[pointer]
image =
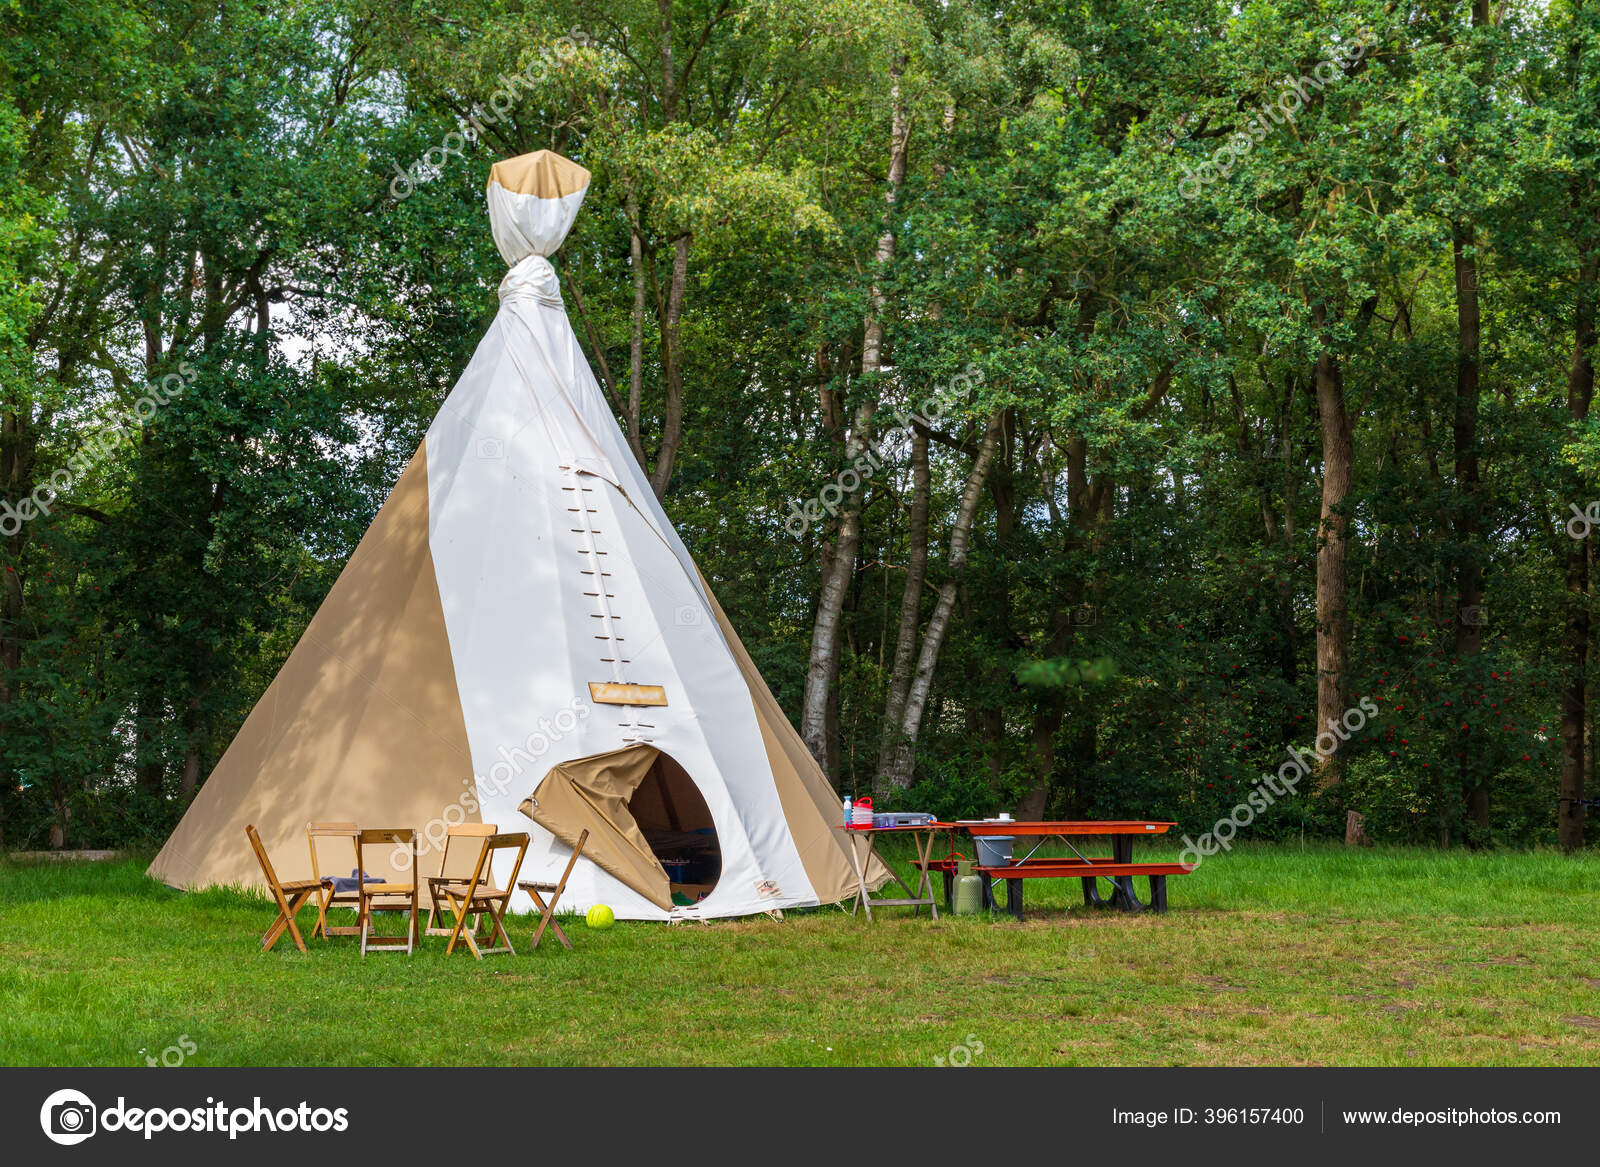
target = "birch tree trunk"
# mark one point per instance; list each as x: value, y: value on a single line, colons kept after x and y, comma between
x: 636, y: 331
x: 898, y: 776
x: 817, y: 730
x: 905, y: 645
x: 672, y: 362
x: 839, y: 567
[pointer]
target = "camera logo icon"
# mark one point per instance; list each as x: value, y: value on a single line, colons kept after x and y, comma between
x: 688, y: 616
x: 491, y: 449
x: 68, y: 1117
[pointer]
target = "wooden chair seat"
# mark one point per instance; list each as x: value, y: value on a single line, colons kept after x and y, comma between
x: 472, y: 897
x: 388, y: 889
x: 444, y: 887
x: 399, y: 897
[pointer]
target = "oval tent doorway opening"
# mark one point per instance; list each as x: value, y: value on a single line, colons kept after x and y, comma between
x: 676, y: 822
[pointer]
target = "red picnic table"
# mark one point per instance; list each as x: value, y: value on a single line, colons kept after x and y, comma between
x: 1119, y: 867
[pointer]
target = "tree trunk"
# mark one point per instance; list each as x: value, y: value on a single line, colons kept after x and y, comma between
x: 905, y: 752
x: 58, y: 824
x: 636, y: 332
x: 1574, y: 695
x: 899, y: 139
x: 1469, y: 575
x: 996, y: 611
x: 817, y: 729
x: 16, y: 481
x: 193, y: 726
x: 149, y: 767
x: 839, y: 568
x: 905, y: 645
x: 672, y: 366
x: 1333, y: 614
x: 1088, y: 505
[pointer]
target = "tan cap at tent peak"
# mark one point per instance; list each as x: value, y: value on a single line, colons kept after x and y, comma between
x: 543, y: 174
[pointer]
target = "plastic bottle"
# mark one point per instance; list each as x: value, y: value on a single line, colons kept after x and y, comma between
x: 847, y: 818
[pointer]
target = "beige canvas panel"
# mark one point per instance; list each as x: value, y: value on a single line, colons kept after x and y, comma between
x: 592, y: 794
x: 363, y: 723
x: 809, y: 803
x: 543, y: 174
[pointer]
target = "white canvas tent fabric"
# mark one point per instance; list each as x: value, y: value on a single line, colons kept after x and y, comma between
x: 521, y: 561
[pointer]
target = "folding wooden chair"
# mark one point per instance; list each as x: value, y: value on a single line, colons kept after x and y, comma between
x: 392, y: 895
x: 457, y: 873
x: 547, y: 912
x: 326, y: 896
x: 291, y: 897
x: 478, y: 897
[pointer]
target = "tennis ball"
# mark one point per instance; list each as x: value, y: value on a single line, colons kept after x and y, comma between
x: 600, y: 916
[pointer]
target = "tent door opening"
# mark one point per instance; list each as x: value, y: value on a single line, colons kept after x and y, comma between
x: 676, y: 822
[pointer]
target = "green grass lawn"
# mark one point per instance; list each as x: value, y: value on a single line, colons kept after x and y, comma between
x: 1270, y: 956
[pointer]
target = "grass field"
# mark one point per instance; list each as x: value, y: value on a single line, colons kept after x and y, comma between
x: 1270, y: 956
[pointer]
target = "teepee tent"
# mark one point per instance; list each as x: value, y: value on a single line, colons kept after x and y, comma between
x: 521, y: 627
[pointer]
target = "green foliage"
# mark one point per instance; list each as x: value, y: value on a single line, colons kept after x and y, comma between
x: 1135, y: 633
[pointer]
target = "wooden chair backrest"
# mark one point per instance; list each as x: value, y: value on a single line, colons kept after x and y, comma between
x: 482, y: 871
x: 261, y: 858
x: 315, y: 831
x: 463, y: 831
x: 395, y: 837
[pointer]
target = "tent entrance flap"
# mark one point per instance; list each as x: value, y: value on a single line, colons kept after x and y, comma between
x: 639, y: 806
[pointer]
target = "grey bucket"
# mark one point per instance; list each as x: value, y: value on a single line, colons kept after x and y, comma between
x: 994, y: 850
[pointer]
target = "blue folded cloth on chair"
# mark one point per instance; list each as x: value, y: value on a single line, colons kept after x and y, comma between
x: 353, y: 881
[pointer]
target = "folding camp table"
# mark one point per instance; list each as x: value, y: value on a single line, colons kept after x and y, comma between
x: 860, y: 842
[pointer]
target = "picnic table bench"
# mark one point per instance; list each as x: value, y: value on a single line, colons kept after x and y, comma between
x: 1118, y: 868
